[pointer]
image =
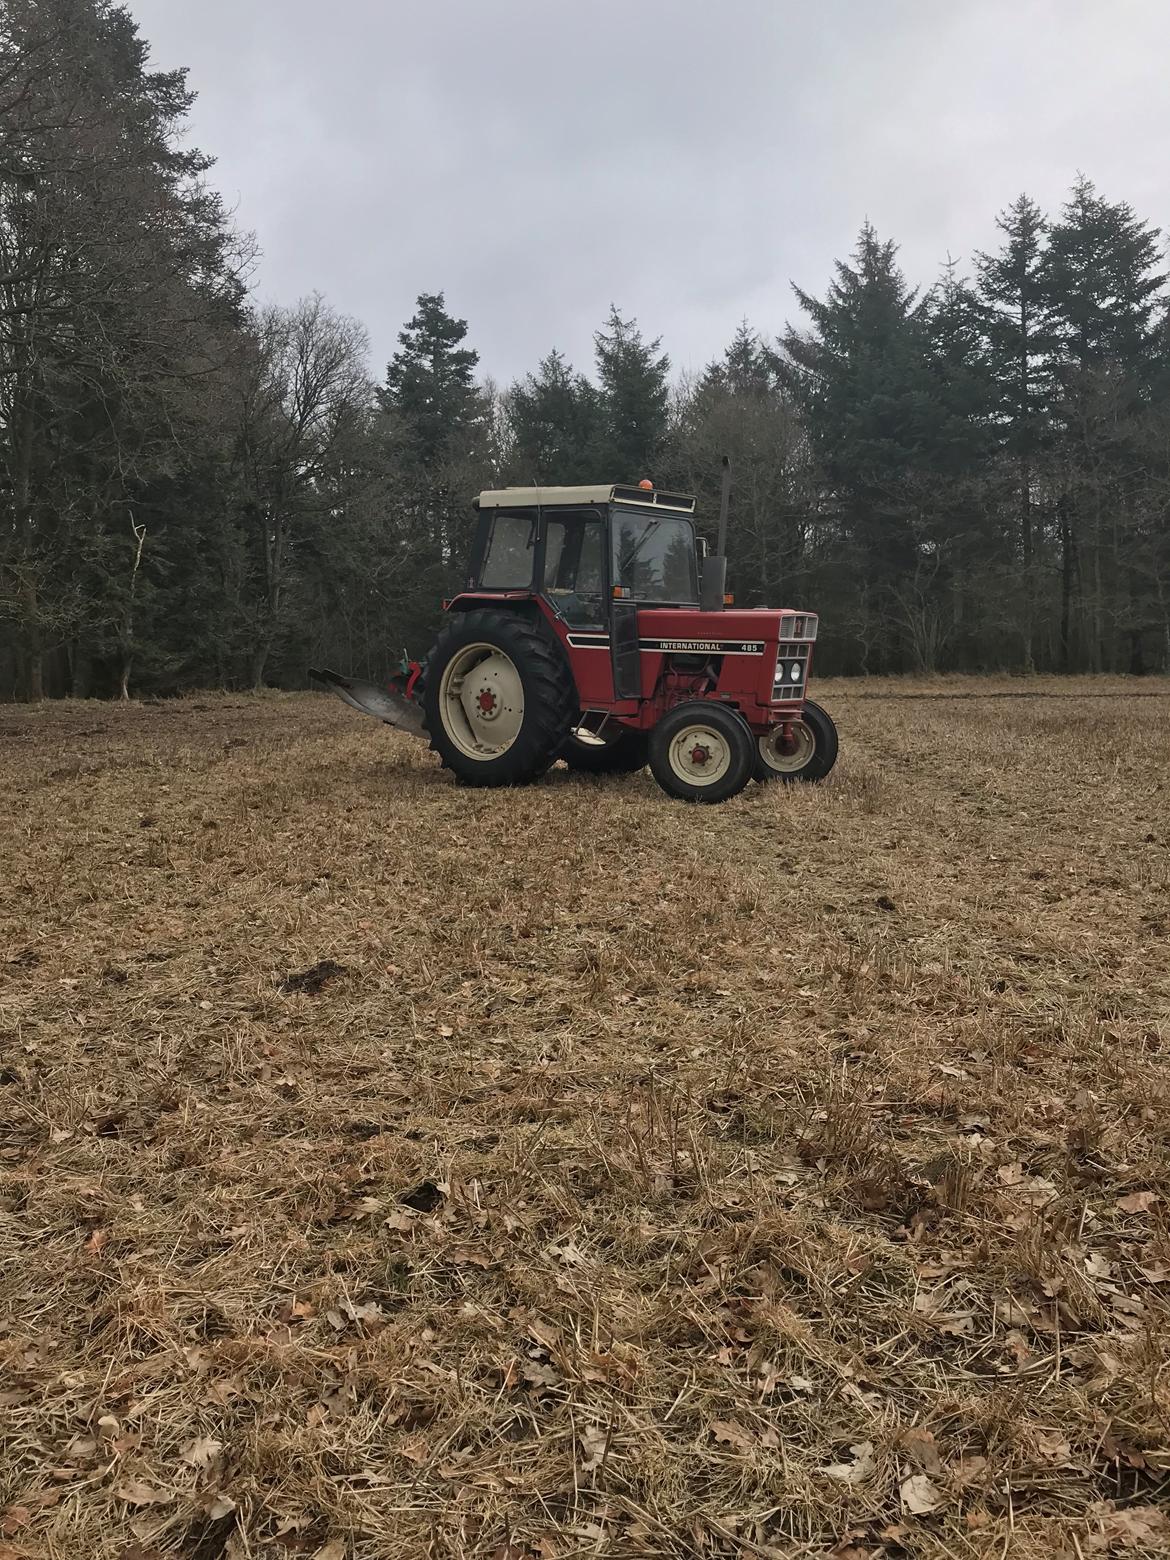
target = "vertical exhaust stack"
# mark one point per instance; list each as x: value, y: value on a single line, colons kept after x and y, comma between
x: 714, y: 582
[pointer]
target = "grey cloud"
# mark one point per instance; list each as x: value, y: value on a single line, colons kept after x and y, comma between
x: 688, y: 160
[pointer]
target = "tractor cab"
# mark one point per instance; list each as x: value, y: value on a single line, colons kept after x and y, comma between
x: 593, y: 556
x: 584, y: 547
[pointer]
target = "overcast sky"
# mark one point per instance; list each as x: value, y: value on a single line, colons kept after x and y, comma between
x: 686, y: 159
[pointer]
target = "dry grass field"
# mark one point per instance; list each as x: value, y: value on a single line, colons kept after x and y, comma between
x: 390, y: 1171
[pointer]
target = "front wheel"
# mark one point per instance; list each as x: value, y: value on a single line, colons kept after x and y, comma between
x: 702, y: 752
x: 800, y: 749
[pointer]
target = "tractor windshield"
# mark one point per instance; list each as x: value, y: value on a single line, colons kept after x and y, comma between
x: 654, y: 557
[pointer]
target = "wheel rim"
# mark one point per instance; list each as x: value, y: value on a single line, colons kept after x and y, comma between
x: 788, y: 757
x: 700, y: 755
x: 481, y: 701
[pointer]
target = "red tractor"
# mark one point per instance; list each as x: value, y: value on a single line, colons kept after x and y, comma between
x: 584, y: 633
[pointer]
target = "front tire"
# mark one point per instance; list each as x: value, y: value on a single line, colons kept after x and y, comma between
x: 807, y: 753
x: 622, y: 752
x: 702, y: 752
x: 499, y: 698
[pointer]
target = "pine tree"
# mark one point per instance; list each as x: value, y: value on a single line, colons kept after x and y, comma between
x: 430, y: 385
x: 1014, y: 295
x: 738, y: 408
x: 635, y: 399
x: 1103, y: 290
x: 119, y: 292
x: 437, y: 426
x: 862, y: 381
x: 555, y: 416
x: 747, y: 367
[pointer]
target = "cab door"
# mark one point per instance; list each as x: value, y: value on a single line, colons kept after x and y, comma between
x: 575, y: 583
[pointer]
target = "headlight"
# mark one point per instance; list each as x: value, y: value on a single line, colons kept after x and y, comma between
x: 795, y: 672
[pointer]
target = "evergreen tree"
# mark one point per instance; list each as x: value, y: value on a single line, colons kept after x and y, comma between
x: 861, y: 379
x: 747, y: 367
x: 1103, y: 287
x: 739, y: 408
x: 635, y: 400
x: 437, y: 426
x: 119, y: 293
x: 1012, y: 290
x: 555, y: 419
x: 1104, y: 292
x: 430, y: 388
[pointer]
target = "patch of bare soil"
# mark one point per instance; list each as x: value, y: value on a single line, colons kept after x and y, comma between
x: 391, y: 1170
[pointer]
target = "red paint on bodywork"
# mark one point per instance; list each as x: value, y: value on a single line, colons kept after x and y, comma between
x: 742, y: 677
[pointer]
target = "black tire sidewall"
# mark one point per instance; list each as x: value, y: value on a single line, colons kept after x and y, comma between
x: 732, y: 725
x: 544, y: 677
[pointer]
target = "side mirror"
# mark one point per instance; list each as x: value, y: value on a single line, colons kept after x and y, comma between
x: 702, y: 547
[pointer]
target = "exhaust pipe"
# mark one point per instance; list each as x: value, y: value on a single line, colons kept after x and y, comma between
x: 714, y: 582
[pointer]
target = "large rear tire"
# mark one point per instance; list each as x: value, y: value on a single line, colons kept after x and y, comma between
x: 807, y: 753
x: 702, y: 752
x: 499, y: 698
x: 620, y: 752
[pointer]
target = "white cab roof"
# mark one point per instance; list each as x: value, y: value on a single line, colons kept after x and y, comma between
x: 620, y: 493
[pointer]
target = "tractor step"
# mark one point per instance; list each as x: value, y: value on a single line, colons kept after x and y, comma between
x: 385, y: 704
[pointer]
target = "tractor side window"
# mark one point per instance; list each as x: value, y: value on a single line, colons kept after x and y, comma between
x: 508, y: 563
x: 654, y: 557
x: 574, y: 568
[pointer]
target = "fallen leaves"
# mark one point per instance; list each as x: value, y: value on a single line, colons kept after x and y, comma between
x: 857, y: 1470
x: 1053, y: 1446
x: 920, y: 1495
x: 1130, y: 1527
x: 136, y: 1492
x: 1138, y: 1202
x: 347, y: 1312
x: 921, y: 1448
x: 202, y: 1452
x: 728, y: 1433
x: 594, y: 1441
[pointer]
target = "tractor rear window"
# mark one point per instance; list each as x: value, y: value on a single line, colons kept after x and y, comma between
x: 508, y: 562
x: 654, y: 557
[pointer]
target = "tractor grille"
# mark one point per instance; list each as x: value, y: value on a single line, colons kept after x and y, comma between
x: 791, y: 671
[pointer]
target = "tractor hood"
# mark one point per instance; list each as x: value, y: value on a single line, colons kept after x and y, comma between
x: 748, y: 629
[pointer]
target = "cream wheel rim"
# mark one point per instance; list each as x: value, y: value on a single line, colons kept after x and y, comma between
x: 802, y: 744
x: 481, y: 701
x: 700, y: 755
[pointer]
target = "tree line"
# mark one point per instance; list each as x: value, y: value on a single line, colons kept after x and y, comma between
x: 196, y: 491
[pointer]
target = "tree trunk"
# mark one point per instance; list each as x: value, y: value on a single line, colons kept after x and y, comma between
x: 1026, y: 549
x: 257, y: 663
x: 1067, y: 574
x: 35, y: 656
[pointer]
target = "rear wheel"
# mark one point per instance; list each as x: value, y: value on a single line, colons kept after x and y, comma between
x: 617, y: 752
x: 803, y: 749
x: 499, y: 698
x: 702, y: 752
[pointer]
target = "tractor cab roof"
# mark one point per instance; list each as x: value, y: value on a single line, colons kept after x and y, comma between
x: 612, y: 493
